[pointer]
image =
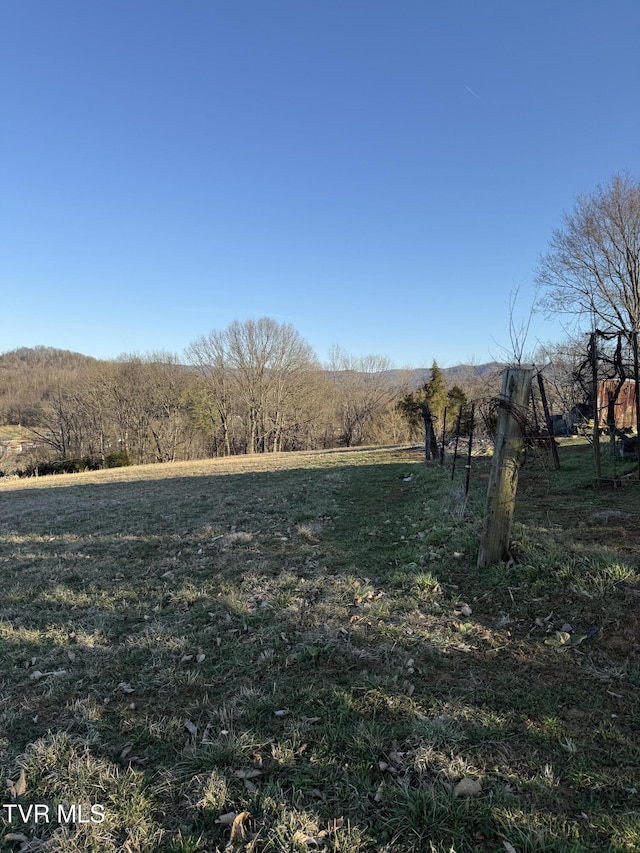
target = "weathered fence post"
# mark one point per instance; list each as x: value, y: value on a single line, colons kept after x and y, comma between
x: 507, y: 458
x: 430, y: 440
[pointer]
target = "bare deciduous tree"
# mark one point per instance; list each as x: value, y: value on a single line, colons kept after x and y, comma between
x: 593, y: 264
x: 364, y: 387
x: 255, y: 371
x: 267, y: 358
x: 592, y: 267
x: 208, y: 354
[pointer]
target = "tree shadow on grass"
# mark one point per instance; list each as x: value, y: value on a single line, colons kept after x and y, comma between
x: 273, y: 621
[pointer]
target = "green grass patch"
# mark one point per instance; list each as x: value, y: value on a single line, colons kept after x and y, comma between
x: 306, y: 639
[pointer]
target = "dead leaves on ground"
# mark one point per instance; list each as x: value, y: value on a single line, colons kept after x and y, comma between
x: 318, y: 839
x: 246, y: 775
x: 18, y: 788
x: 36, y: 675
x: 242, y: 831
x: 467, y: 788
x: 245, y: 833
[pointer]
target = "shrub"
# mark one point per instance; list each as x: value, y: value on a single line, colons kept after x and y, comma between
x: 117, y: 459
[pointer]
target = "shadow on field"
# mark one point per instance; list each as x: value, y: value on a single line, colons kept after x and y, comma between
x: 291, y: 643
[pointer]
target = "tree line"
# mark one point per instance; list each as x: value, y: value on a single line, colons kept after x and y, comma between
x: 253, y: 387
x: 257, y: 386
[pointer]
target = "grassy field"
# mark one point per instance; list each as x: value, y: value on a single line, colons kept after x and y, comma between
x: 297, y: 653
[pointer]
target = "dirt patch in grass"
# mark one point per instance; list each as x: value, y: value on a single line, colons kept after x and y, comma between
x: 305, y: 638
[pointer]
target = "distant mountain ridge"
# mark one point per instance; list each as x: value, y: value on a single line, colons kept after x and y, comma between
x: 419, y: 375
x: 44, y: 357
x: 52, y: 357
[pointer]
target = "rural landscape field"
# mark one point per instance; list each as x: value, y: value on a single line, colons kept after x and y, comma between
x: 295, y: 652
x: 320, y: 427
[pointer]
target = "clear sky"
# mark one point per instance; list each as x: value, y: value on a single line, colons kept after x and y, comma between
x: 379, y: 174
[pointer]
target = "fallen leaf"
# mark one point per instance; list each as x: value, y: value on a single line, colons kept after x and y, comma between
x: 17, y: 789
x: 467, y: 788
x: 300, y: 838
x: 227, y: 819
x: 200, y: 657
x: 240, y: 829
x: 466, y: 610
x: 125, y: 687
x: 36, y: 675
x: 509, y: 847
x: 247, y: 773
x: 191, y: 728
x: 282, y: 713
x: 561, y: 639
x: 379, y: 793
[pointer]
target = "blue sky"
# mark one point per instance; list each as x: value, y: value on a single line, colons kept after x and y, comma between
x: 379, y: 174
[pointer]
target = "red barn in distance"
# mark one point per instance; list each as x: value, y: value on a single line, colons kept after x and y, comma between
x: 624, y: 408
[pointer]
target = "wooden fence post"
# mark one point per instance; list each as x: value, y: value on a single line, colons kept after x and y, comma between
x: 507, y: 458
x: 430, y: 440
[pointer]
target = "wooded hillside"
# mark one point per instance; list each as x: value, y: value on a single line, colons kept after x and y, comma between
x: 254, y: 387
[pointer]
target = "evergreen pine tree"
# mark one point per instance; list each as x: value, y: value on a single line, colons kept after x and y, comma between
x: 435, y: 392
